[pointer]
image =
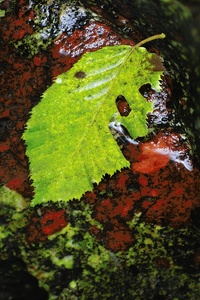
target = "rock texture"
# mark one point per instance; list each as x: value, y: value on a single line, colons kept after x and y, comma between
x: 136, y: 235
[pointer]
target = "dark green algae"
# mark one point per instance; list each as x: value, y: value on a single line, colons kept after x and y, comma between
x: 163, y: 262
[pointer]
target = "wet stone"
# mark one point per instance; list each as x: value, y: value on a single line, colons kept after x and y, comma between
x: 138, y: 230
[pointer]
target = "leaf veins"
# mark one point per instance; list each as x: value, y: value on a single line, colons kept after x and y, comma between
x: 68, y: 139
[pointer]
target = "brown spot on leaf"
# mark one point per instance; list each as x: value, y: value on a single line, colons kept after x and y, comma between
x: 156, y: 61
x: 80, y: 75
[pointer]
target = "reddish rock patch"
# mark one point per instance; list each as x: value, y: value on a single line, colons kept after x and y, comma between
x: 44, y: 222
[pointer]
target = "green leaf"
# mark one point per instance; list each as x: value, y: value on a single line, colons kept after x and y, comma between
x: 69, y: 143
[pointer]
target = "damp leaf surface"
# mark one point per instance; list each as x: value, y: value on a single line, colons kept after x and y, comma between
x: 68, y: 140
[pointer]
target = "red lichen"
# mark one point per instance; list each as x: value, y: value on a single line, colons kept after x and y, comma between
x: 53, y: 222
x: 118, y: 240
x: 164, y: 194
x: 157, y: 152
x: 15, y: 183
x: 122, y: 181
x: 16, y: 29
x: 68, y: 49
x: 46, y: 223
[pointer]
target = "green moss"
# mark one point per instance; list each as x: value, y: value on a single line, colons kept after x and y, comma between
x: 52, y: 18
x: 153, y: 264
x: 66, y: 261
x: 174, y: 7
x: 12, y: 211
x: 2, y: 13
x: 12, y: 199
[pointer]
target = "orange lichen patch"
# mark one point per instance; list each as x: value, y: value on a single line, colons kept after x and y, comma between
x: 94, y: 230
x: 68, y: 49
x: 164, y: 195
x: 122, y: 208
x: 4, y: 147
x: 150, y: 164
x: 16, y: 29
x: 143, y: 180
x: 46, y: 223
x: 112, y: 211
x: 106, y: 203
x: 118, y: 239
x: 156, y: 153
x: 91, y: 197
x: 39, y: 60
x: 174, y: 200
x: 53, y: 221
x: 122, y: 181
x: 16, y: 183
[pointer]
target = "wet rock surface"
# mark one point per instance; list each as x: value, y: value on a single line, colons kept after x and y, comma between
x: 136, y: 210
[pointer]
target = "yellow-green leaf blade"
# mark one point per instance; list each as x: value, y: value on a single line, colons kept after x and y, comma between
x: 69, y: 143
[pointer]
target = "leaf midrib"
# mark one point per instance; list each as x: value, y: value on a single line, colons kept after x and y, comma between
x: 129, y: 52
